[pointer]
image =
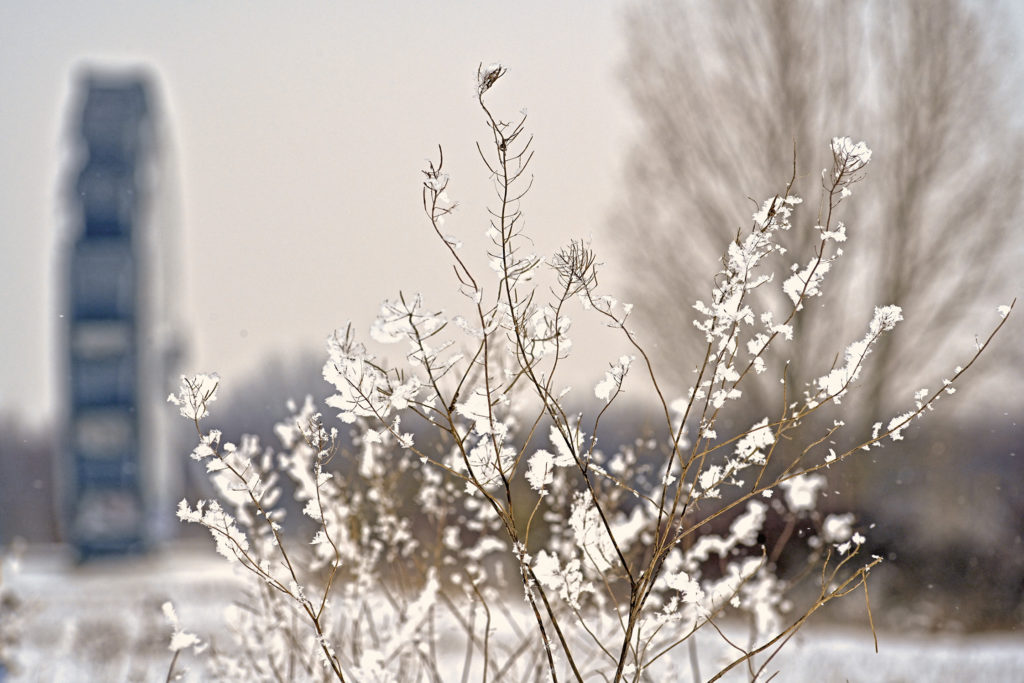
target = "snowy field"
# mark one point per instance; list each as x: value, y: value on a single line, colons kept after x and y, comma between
x: 103, y: 622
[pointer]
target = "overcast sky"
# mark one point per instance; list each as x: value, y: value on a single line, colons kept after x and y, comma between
x: 292, y: 139
x: 293, y: 135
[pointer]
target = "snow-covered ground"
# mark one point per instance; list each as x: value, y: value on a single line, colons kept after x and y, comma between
x: 102, y: 622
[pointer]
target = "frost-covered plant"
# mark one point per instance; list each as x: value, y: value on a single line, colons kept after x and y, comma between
x: 476, y: 529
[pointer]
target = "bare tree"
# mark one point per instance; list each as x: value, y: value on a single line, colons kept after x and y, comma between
x: 726, y: 90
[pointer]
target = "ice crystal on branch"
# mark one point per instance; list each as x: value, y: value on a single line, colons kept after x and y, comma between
x: 361, y: 384
x: 180, y: 639
x: 837, y: 382
x: 612, y: 382
x: 195, y: 395
x: 849, y: 157
x: 488, y: 76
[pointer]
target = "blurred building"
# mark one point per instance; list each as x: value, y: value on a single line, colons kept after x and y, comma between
x: 116, y: 481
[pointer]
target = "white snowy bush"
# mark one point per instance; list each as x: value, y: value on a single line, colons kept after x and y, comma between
x: 11, y: 611
x: 474, y: 529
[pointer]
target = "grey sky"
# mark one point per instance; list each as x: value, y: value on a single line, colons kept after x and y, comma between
x: 293, y: 139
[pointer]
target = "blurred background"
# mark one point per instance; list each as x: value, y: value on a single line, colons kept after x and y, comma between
x: 196, y: 187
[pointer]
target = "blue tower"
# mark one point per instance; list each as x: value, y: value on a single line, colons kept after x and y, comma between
x: 114, y: 375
